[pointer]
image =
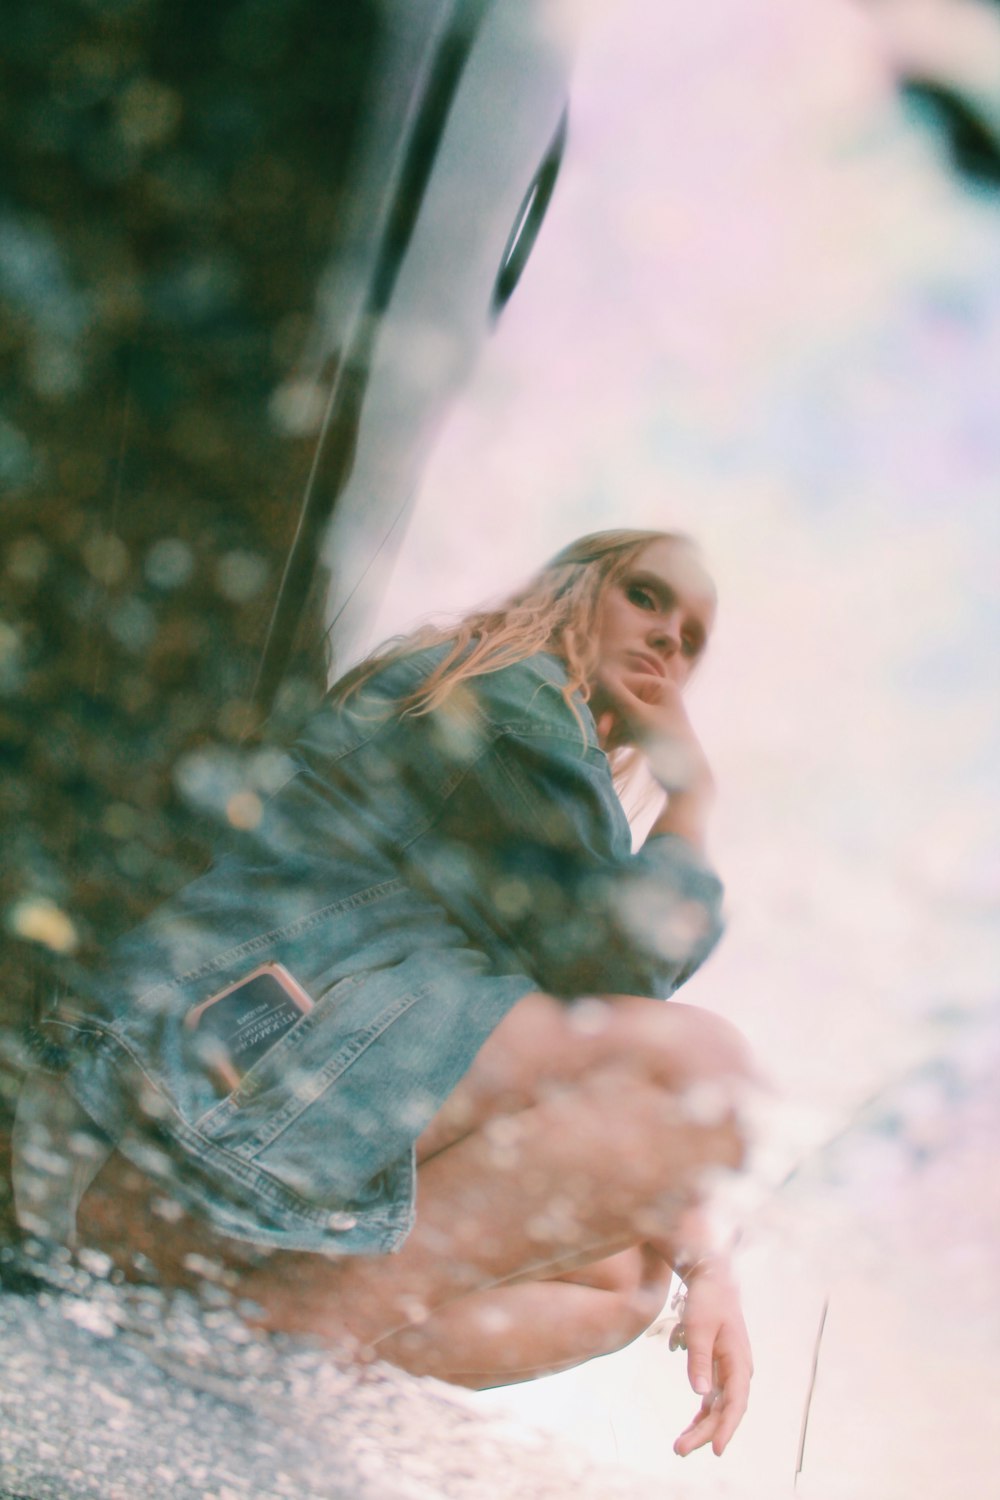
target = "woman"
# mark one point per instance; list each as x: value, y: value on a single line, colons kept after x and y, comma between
x: 477, y: 1066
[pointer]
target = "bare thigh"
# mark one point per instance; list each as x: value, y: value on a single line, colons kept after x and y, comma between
x: 567, y: 1142
x: 543, y: 1045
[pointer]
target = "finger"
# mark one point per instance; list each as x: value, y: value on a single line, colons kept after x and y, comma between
x: 699, y: 1364
x: 700, y: 1431
x: 731, y: 1409
x: 631, y: 690
x: 645, y: 687
x: 720, y: 1412
x: 729, y: 1400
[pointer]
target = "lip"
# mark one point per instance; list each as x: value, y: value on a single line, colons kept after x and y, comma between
x: 652, y: 663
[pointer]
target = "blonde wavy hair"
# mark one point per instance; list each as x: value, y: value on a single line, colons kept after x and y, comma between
x: 555, y: 611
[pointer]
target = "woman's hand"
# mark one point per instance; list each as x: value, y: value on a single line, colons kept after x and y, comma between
x: 639, y: 708
x: 719, y: 1360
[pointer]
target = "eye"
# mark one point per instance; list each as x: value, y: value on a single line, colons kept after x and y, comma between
x: 637, y: 594
x: 691, y: 645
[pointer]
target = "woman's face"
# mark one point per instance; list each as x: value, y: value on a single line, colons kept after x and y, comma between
x: 656, y: 618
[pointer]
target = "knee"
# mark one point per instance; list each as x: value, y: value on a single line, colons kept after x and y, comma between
x: 629, y: 1290
x: 638, y: 1275
x: 679, y: 1047
x: 639, y: 1299
x: 645, y: 1139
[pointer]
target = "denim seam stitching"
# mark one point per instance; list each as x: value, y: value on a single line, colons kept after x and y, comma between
x: 275, y: 934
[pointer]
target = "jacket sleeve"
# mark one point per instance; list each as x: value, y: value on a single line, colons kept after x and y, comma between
x: 547, y: 859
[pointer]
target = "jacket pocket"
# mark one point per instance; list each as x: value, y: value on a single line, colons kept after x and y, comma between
x: 299, y: 1114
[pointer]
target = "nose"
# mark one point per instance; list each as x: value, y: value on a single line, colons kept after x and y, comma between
x: 665, y: 633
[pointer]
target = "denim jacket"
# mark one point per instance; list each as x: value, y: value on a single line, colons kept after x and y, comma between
x: 417, y: 875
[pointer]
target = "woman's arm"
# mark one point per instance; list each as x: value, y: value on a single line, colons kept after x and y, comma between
x: 642, y: 710
x: 686, y: 814
x: 650, y: 713
x: 530, y: 852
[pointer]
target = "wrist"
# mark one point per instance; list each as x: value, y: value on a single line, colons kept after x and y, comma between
x: 679, y: 766
x: 686, y: 814
x: 713, y: 1265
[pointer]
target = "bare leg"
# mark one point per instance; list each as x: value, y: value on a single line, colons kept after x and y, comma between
x: 564, y: 1144
x: 527, y: 1329
x: 578, y: 1133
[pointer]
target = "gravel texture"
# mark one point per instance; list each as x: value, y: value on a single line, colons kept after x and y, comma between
x: 112, y: 1395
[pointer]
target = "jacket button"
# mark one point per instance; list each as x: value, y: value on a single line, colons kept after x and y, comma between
x: 343, y: 1222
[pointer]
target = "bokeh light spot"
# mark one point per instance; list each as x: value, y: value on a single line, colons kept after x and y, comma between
x: 40, y: 920
x: 244, y: 810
